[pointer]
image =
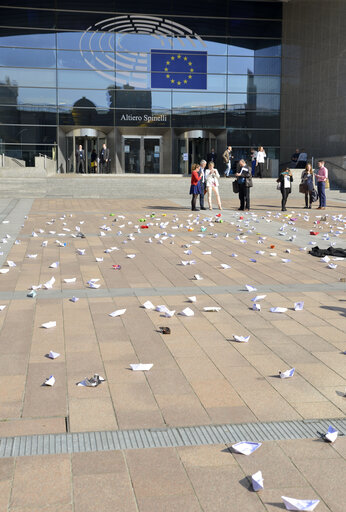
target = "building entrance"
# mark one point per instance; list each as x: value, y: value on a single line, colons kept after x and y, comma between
x: 91, y: 141
x: 142, y: 154
x: 194, y: 146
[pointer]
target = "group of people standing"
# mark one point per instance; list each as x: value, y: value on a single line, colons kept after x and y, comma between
x: 206, y: 181
x: 98, y: 164
x: 257, y: 161
x: 306, y: 187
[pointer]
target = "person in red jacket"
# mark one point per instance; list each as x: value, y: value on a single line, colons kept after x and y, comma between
x: 195, y: 189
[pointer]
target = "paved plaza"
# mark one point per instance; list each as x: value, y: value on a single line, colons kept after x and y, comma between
x: 201, y: 377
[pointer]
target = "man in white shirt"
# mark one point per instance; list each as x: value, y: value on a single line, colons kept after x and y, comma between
x: 201, y: 172
x: 261, y: 155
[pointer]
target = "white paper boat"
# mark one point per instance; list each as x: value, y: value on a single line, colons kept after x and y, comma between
x: 81, y: 252
x: 54, y: 265
x: 74, y: 299
x: 140, y: 367
x: 192, y: 299
x: 70, y: 280
x: 4, y: 270
x: 119, y: 312
x: 212, y: 309
x: 258, y: 297
x: 53, y: 355
x: 257, y: 481
x: 187, y: 312
x: 50, y: 381
x: 49, y: 284
x: 278, y: 310
x: 256, y: 307
x: 49, y: 325
x: 225, y: 266
x: 148, y: 305
x: 298, y: 306
x: 331, y: 434
x: 287, y: 374
x: 241, y: 339
x: 294, y: 504
x: 131, y: 256
x: 197, y: 277
x: 245, y: 447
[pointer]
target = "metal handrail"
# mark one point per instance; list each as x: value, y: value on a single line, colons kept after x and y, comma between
x: 335, y: 165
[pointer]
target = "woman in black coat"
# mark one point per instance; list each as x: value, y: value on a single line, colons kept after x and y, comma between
x: 285, y: 179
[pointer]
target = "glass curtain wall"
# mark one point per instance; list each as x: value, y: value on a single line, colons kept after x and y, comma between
x: 73, y: 66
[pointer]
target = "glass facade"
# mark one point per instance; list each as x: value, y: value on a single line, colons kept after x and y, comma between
x: 86, y: 65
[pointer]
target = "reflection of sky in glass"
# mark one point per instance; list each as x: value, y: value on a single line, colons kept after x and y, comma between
x: 185, y: 99
x: 23, y: 76
x: 27, y: 57
x: 142, y: 42
x: 29, y: 40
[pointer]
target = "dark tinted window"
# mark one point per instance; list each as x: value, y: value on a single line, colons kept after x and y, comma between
x: 28, y: 134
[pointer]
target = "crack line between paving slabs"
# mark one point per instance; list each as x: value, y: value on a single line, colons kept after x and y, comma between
x: 170, y: 437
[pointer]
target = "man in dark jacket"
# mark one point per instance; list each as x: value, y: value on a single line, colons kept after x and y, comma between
x: 104, y: 159
x: 80, y: 160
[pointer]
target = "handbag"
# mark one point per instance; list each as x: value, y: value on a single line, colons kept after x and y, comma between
x: 302, y: 188
x: 314, y: 195
x: 235, y: 186
x: 327, y: 183
x: 278, y: 186
x: 248, y: 181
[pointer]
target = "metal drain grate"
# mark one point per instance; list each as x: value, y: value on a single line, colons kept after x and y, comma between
x: 51, y: 444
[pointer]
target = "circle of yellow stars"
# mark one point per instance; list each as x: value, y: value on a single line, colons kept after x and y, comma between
x: 172, y: 80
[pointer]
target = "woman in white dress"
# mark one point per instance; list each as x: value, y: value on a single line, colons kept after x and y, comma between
x: 261, y: 155
x: 212, y: 182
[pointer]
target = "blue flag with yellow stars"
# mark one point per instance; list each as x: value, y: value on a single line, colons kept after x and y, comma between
x: 178, y: 70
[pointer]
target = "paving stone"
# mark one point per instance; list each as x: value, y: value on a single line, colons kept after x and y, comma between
x: 49, y: 484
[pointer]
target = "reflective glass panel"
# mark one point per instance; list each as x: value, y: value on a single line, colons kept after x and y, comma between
x: 13, y: 95
x: 142, y: 99
x: 86, y: 116
x: 254, y: 101
x: 214, y: 46
x: 188, y: 100
x: 256, y: 65
x: 27, y: 17
x: 86, y: 41
x: 251, y: 83
x: 143, y: 42
x: 99, y: 98
x: 22, y: 57
x: 28, y: 134
x: 28, y: 114
x: 248, y: 46
x: 27, y: 40
x: 26, y: 152
x: 239, y: 118
x: 85, y: 79
x: 253, y: 137
x: 217, y: 64
x: 28, y: 77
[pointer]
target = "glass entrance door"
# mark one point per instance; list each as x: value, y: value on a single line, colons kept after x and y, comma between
x: 193, y: 147
x: 142, y: 154
x: 132, y: 148
x: 151, y: 156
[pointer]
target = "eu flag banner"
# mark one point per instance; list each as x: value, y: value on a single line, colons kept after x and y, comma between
x: 178, y: 70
